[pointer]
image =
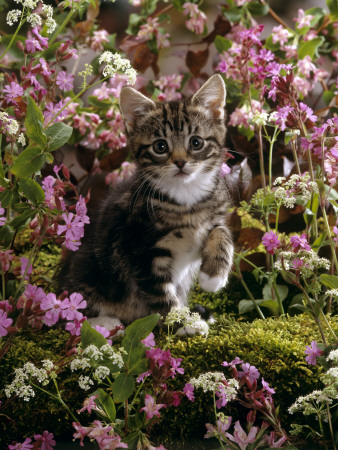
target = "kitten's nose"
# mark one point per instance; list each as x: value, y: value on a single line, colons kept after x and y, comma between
x: 180, y: 163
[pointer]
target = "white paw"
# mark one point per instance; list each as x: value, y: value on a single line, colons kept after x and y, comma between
x: 110, y: 323
x: 211, y: 284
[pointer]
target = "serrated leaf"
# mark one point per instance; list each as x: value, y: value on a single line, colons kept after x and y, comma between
x: 89, y: 336
x: 139, y: 330
x: 330, y: 281
x: 28, y: 162
x: 34, y: 123
x: 105, y: 401
x: 123, y: 387
x: 310, y: 48
x: 58, y: 134
x: 32, y: 190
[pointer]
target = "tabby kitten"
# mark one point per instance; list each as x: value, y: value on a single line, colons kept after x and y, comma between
x: 165, y: 224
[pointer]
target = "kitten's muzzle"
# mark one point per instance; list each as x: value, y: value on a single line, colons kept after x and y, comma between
x: 180, y: 163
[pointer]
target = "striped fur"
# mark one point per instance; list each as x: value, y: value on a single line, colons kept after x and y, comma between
x: 167, y: 223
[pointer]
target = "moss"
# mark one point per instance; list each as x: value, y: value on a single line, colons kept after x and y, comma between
x: 274, y: 346
x: 41, y: 412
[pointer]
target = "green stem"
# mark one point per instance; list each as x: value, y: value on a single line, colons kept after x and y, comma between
x: 280, y: 303
x: 277, y: 218
x: 330, y: 426
x: 261, y: 156
x: 329, y: 326
x: 3, y: 277
x: 251, y: 263
x: 295, y: 157
x: 272, y: 141
x: 30, y: 258
x: 62, y: 26
x: 215, y: 411
x: 249, y: 294
x: 327, y: 227
x: 14, y: 36
x: 317, y: 320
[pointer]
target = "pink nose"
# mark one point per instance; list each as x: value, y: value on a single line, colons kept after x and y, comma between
x: 180, y: 163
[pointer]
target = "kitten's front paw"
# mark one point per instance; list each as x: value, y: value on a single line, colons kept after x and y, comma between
x: 211, y: 284
x: 108, y: 322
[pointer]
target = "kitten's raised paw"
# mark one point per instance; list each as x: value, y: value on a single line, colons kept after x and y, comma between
x: 211, y: 284
x: 108, y: 322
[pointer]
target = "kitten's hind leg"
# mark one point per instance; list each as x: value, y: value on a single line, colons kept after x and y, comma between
x: 108, y: 322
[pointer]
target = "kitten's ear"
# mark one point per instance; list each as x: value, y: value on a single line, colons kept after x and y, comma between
x: 134, y: 104
x: 211, y: 96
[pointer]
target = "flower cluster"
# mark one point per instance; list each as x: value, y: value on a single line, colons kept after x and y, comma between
x: 191, y: 322
x: 297, y: 187
x: 44, y: 441
x: 197, y: 18
x: 151, y: 30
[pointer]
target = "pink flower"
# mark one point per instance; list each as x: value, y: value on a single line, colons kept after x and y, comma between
x: 143, y: 376
x: 175, y: 363
x: 267, y: 388
x: 250, y: 372
x: 303, y: 20
x: 98, y: 38
x: 70, y: 306
x: 232, y: 363
x: 197, y: 18
x: 189, y: 391
x: 65, y: 81
x: 221, y: 427
x: 33, y: 45
x: 222, y: 66
x: 151, y: 408
x: 300, y: 242
x: 335, y: 230
x: 271, y: 242
x: 46, y: 440
x: 280, y: 35
x: 5, y: 322
x: 240, y: 437
x: 5, y: 259
x: 24, y: 263
x: 89, y: 404
x: 12, y: 91
x: 149, y: 341
x: 2, y: 219
x: 53, y: 307
x: 26, y: 445
x: 43, y: 41
x: 74, y: 327
x: 158, y: 356
x: 74, y: 227
x: 313, y: 351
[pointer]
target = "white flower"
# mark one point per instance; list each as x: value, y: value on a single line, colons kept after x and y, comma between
x: 101, y: 373
x: 208, y: 381
x: 260, y: 118
x: 12, y: 126
x: 310, y: 404
x: 35, y: 20
x: 13, y: 16
x: 333, y: 356
x: 51, y: 25
x: 177, y: 315
x: 48, y: 10
x: 333, y: 293
x: 85, y: 382
x: 106, y: 57
x: 132, y: 75
x: 93, y: 352
x: 21, y: 139
x: 79, y: 363
x: 109, y: 71
x: 30, y: 4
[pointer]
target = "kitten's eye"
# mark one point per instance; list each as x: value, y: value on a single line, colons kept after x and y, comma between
x: 196, y: 143
x: 160, y: 146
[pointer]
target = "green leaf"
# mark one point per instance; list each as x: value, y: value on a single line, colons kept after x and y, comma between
x: 34, y: 123
x: 310, y: 48
x: 59, y: 133
x: 272, y: 305
x: 22, y: 219
x: 137, y: 362
x: 105, y: 401
x: 123, y: 387
x: 318, y: 242
x: 257, y: 8
x: 32, y: 190
x: 245, y: 306
x: 282, y: 290
x: 14, y: 48
x: 333, y: 7
x: 6, y: 235
x: 94, y: 101
x: 6, y: 197
x: 28, y: 162
x: 330, y: 281
x: 89, y: 336
x: 222, y: 44
x: 139, y: 330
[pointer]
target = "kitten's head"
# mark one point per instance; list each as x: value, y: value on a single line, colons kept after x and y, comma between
x: 178, y: 146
